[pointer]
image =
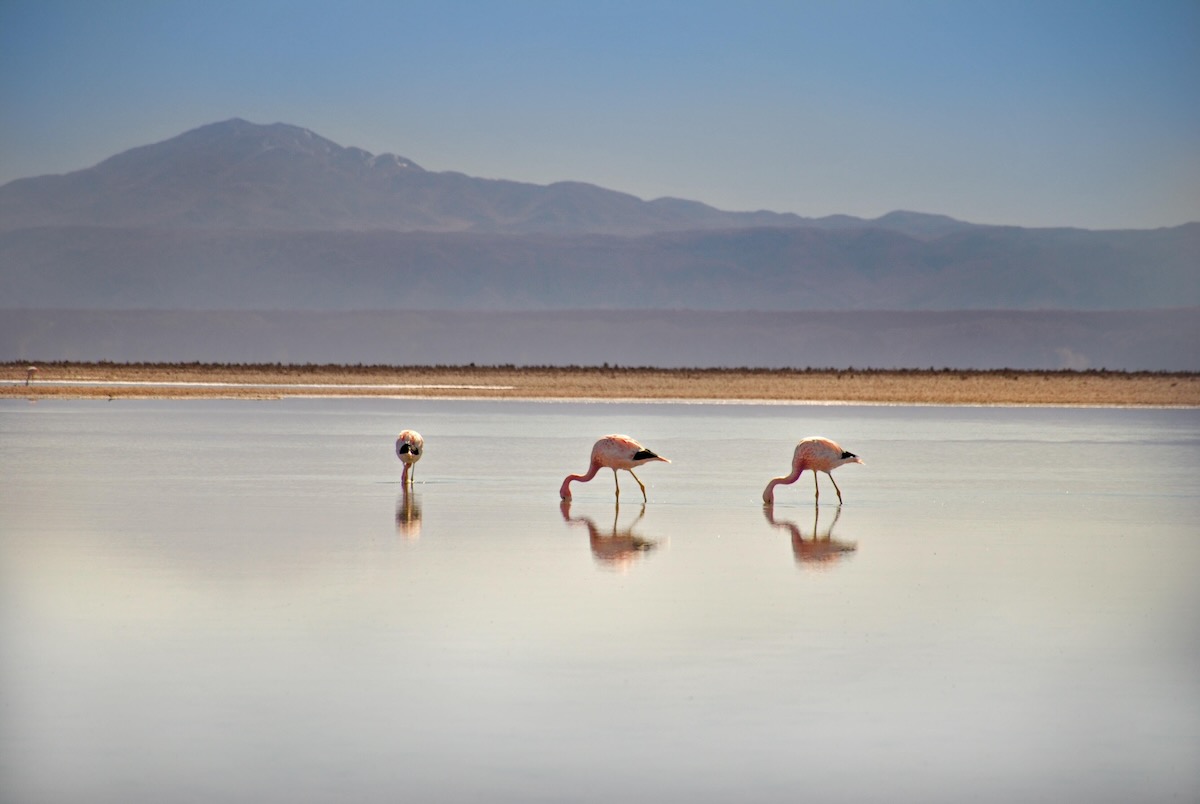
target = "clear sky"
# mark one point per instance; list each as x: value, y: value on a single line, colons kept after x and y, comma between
x: 1043, y: 113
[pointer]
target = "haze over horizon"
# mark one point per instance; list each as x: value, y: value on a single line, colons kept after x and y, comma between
x: 1028, y: 114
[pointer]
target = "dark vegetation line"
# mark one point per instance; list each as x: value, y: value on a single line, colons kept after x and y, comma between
x: 380, y: 368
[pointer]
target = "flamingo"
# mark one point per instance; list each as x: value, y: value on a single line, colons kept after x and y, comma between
x: 409, y: 446
x: 818, y: 455
x: 614, y: 452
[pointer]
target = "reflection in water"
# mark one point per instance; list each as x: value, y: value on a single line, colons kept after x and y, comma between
x: 819, y: 552
x: 408, y: 514
x: 620, y: 547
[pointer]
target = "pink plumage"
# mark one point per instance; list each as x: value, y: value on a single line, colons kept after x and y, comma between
x: 817, y: 455
x: 409, y: 448
x: 613, y: 452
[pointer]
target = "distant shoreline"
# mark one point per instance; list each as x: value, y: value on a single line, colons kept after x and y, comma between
x: 923, y: 387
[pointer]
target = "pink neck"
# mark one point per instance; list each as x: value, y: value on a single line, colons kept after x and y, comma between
x: 769, y: 491
x: 565, y: 492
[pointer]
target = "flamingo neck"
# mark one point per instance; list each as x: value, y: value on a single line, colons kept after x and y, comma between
x: 565, y: 491
x: 769, y: 491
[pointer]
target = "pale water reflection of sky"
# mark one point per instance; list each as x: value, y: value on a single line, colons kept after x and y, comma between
x: 230, y: 597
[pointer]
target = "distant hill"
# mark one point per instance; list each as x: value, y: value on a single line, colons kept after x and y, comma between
x: 244, y: 176
x: 788, y: 268
x: 239, y: 175
x: 240, y: 216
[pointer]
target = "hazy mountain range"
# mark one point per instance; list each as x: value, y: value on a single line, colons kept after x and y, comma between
x: 236, y: 216
x: 243, y: 176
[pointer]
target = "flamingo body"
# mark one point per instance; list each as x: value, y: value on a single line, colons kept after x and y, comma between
x: 613, y: 452
x: 817, y: 455
x: 409, y: 448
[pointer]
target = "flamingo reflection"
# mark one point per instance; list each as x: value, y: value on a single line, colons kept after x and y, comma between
x: 408, y: 515
x: 821, y: 551
x: 618, y: 548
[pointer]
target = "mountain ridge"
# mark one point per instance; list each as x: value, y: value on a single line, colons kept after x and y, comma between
x: 236, y: 174
x: 237, y: 215
x: 767, y: 268
x: 246, y: 153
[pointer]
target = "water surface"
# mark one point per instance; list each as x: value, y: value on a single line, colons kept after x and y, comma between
x: 236, y: 601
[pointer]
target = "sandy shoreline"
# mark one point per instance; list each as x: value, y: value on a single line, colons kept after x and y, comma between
x: 1004, y: 387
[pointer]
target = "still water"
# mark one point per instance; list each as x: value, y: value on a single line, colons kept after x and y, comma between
x: 235, y: 601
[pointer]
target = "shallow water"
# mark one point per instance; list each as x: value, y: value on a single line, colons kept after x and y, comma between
x: 235, y: 601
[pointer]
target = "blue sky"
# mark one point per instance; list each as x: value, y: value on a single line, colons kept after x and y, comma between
x: 1041, y: 113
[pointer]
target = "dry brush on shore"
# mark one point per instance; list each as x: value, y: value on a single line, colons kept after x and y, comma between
x: 912, y: 386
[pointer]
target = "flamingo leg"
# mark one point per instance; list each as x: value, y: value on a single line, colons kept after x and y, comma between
x: 412, y: 476
x: 617, y: 483
x: 816, y: 488
x: 639, y: 482
x: 835, y: 488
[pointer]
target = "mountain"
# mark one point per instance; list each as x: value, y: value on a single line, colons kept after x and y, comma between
x: 239, y: 216
x: 245, y: 176
x: 790, y: 268
x: 239, y: 175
